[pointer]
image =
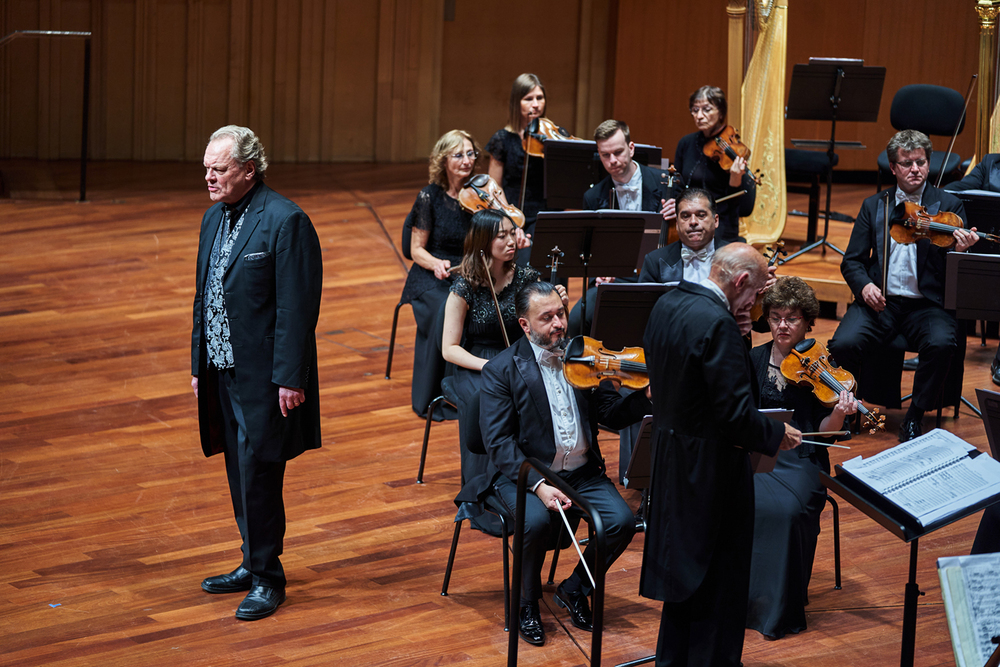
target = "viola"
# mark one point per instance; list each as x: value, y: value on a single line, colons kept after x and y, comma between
x: 725, y: 147
x: 939, y: 227
x: 541, y: 130
x: 481, y: 192
x: 757, y: 311
x: 587, y: 362
x: 808, y: 364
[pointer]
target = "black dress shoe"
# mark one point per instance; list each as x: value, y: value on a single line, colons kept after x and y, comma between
x: 909, y: 430
x: 577, y: 606
x: 529, y: 624
x: 995, y: 371
x: 911, y: 364
x: 260, y: 602
x: 238, y: 580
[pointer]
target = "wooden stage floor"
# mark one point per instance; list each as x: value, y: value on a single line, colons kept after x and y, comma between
x: 110, y: 516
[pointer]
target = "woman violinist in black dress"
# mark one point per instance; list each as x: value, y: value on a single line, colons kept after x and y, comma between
x: 472, y: 331
x: 439, y: 226
x: 708, y: 109
x: 527, y: 102
x: 789, y: 500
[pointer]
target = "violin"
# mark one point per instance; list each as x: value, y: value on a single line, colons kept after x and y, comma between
x: 541, y: 130
x: 939, y: 227
x: 757, y: 311
x: 586, y: 362
x: 482, y: 192
x: 725, y: 147
x: 809, y: 364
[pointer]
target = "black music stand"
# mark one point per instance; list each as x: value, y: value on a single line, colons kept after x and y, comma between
x: 622, y: 310
x: 599, y: 243
x: 833, y: 89
x: 972, y: 290
x: 573, y: 166
x: 903, y: 526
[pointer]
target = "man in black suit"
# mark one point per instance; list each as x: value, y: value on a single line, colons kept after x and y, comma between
x: 629, y: 186
x: 699, y: 537
x: 690, y: 257
x: 253, y: 353
x: 914, y: 305
x: 985, y: 176
x: 528, y: 409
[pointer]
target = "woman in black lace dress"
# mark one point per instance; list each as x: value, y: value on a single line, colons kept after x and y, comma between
x: 527, y: 102
x: 789, y: 499
x: 708, y: 109
x: 472, y: 331
x: 439, y: 225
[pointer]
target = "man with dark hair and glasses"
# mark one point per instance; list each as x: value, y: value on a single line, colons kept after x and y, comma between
x: 914, y: 304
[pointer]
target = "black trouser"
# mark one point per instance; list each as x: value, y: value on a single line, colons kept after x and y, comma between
x: 708, y: 628
x: 255, y: 487
x: 925, y: 324
x: 541, y: 526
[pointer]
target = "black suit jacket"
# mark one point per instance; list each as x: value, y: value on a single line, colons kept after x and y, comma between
x: 272, y: 302
x: 664, y: 264
x: 985, y: 176
x: 653, y: 190
x: 862, y: 263
x: 705, y: 421
x: 516, y: 421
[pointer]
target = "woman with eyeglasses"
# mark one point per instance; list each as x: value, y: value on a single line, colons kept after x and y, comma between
x: 473, y: 333
x: 708, y: 110
x: 439, y: 224
x: 526, y: 103
x: 788, y: 500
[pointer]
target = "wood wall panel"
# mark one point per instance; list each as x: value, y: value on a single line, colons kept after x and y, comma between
x: 664, y: 52
x: 918, y: 41
x: 166, y: 73
x: 481, y: 59
x: 331, y: 80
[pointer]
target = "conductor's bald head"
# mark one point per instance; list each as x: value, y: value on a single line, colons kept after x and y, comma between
x: 740, y: 271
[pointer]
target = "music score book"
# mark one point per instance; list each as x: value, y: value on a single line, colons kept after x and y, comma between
x: 930, y: 477
x: 970, y: 586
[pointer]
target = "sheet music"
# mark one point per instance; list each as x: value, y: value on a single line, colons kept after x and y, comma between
x: 931, y: 476
x: 970, y: 586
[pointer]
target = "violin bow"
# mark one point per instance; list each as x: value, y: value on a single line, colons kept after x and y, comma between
x: 496, y: 302
x: 531, y: 129
x: 951, y: 145
x: 885, y: 250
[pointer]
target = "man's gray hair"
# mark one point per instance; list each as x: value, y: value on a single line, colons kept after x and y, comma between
x: 908, y: 140
x: 733, y: 259
x: 246, y: 147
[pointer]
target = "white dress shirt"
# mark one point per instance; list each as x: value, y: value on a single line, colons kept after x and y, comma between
x: 697, y: 265
x: 902, y: 278
x: 570, y: 440
x: 630, y: 194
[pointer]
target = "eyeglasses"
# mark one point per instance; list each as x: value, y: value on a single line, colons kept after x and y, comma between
x: 472, y: 155
x: 705, y: 110
x: 909, y: 163
x: 790, y: 321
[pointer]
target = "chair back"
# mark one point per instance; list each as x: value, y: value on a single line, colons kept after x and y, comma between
x: 933, y: 110
x: 407, y: 234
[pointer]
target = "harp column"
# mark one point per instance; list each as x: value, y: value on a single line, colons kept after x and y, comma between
x: 987, y: 10
x: 737, y: 12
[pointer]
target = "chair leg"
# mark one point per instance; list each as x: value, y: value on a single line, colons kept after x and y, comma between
x: 938, y: 425
x: 427, y: 437
x: 451, y: 558
x: 836, y: 541
x: 505, y: 536
x: 555, y: 556
x: 392, y: 339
